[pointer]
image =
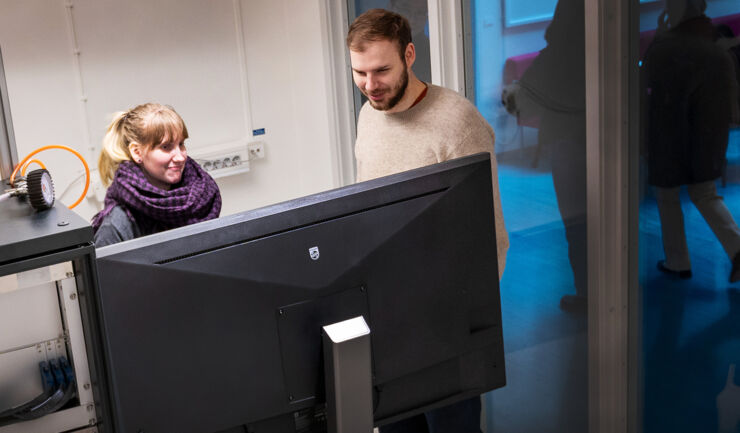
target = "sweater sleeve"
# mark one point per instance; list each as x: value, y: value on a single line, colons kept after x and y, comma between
x: 479, y: 137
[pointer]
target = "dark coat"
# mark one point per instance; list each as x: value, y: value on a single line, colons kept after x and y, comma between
x: 556, y: 80
x: 686, y: 84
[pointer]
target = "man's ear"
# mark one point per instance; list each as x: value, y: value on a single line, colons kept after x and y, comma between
x: 410, y: 54
x: 135, y: 149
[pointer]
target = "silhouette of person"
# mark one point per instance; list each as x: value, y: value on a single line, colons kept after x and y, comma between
x: 554, y: 89
x: 689, y: 91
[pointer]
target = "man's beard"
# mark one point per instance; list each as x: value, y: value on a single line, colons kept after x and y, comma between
x: 400, y: 89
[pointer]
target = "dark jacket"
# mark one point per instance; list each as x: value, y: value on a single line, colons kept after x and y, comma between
x: 116, y: 227
x: 686, y: 84
x: 556, y: 80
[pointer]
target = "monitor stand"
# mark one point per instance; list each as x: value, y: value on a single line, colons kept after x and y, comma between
x: 348, y: 377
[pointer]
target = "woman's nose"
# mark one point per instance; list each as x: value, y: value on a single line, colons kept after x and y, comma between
x: 179, y: 154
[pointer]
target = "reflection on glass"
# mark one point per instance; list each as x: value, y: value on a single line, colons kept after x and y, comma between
x: 690, y: 91
x: 552, y: 93
x: 690, y: 241
x: 530, y: 85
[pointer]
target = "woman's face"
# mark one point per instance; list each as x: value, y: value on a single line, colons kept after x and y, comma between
x: 163, y: 163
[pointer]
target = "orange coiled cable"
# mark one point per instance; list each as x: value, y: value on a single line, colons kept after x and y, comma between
x: 25, y: 167
x: 55, y: 146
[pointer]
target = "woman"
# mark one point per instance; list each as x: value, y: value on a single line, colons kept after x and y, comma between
x: 154, y: 186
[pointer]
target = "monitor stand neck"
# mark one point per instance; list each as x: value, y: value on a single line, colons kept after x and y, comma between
x: 348, y: 377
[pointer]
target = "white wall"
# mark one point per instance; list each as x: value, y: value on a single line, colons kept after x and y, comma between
x: 185, y: 53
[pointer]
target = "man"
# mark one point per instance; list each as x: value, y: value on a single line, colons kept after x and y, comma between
x: 407, y: 124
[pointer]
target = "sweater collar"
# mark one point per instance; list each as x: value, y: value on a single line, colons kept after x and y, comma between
x: 418, y: 106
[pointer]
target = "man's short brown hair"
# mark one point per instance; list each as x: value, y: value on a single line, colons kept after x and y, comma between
x: 379, y: 25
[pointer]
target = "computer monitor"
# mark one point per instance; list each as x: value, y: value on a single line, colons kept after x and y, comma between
x: 217, y: 326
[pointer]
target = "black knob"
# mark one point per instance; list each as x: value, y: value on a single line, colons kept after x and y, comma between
x: 40, y: 189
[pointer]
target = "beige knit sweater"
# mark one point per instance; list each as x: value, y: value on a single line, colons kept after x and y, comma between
x: 443, y: 126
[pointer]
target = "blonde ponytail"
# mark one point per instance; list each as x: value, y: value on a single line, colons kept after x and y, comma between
x: 115, y: 148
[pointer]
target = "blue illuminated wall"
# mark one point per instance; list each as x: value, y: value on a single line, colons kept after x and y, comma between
x: 517, y: 12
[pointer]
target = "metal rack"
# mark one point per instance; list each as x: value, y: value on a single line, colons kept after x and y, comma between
x: 47, y: 267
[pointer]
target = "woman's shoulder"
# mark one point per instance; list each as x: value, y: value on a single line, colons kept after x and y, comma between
x: 116, y: 227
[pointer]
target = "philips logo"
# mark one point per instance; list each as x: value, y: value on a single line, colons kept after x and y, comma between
x: 314, y: 253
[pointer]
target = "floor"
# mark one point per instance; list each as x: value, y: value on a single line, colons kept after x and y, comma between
x: 545, y: 347
x: 691, y: 330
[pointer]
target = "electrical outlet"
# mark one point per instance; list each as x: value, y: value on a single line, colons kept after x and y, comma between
x: 223, y: 160
x: 256, y: 150
x: 225, y: 164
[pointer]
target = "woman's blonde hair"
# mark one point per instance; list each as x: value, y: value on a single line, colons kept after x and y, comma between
x: 147, y: 124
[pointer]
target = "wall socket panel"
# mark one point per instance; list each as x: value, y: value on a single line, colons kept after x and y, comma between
x: 223, y: 160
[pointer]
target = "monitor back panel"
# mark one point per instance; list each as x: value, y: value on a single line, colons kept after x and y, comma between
x: 221, y: 337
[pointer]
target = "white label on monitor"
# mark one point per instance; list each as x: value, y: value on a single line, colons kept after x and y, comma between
x: 347, y: 330
x: 314, y: 253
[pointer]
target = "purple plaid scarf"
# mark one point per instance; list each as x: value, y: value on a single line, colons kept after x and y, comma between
x: 195, y: 198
